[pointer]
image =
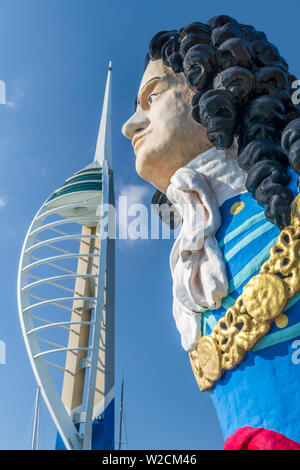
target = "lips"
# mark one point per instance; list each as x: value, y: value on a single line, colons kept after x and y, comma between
x: 136, y: 139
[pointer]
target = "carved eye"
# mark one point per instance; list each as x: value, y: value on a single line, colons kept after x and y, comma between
x: 150, y: 97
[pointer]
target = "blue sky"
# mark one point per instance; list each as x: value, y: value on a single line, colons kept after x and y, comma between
x: 54, y: 56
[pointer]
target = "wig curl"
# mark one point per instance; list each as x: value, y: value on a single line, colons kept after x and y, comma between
x: 242, y: 92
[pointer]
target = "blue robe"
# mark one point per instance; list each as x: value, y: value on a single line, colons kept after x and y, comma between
x: 264, y: 390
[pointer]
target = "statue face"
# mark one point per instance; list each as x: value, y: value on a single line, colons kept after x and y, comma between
x: 164, y: 134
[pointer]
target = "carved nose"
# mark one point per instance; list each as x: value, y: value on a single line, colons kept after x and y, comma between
x: 136, y: 123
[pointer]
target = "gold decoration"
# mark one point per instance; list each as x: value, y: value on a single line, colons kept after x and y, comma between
x: 263, y: 300
x: 237, y: 207
x: 264, y: 297
x: 284, y: 259
x: 281, y: 321
x: 237, y: 333
x: 295, y: 212
x: 206, y: 363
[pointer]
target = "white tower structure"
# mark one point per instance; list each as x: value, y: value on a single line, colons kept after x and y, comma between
x: 66, y: 299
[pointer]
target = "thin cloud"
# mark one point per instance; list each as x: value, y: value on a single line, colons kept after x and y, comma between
x: 11, y: 104
x: 17, y: 92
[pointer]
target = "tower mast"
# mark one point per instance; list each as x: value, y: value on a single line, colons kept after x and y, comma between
x: 100, y: 383
x: 121, y: 415
x: 103, y: 146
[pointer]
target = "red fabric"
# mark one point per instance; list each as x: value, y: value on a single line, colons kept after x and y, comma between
x: 249, y: 438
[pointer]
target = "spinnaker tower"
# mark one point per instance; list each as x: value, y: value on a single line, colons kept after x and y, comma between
x: 66, y: 299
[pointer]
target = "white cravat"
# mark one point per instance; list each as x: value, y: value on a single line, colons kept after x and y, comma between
x: 198, y: 270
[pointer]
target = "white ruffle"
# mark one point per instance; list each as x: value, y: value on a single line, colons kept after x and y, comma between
x: 197, y: 267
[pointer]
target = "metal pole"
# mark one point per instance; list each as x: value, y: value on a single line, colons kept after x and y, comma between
x: 35, y: 431
x: 121, y: 414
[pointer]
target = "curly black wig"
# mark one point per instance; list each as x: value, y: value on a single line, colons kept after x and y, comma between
x: 242, y: 91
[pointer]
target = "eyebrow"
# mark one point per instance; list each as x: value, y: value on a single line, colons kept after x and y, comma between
x: 146, y: 88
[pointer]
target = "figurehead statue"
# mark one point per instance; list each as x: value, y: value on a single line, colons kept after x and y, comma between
x: 217, y: 134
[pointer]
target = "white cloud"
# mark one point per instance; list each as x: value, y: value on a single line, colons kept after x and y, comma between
x: 134, y: 194
x: 2, y: 202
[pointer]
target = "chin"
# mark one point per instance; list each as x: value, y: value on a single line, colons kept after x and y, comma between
x: 149, y: 168
x: 142, y: 168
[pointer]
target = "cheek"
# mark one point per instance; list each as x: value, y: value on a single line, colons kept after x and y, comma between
x: 171, y: 130
x: 171, y: 116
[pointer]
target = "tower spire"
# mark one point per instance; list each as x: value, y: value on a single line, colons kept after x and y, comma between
x: 103, y: 147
